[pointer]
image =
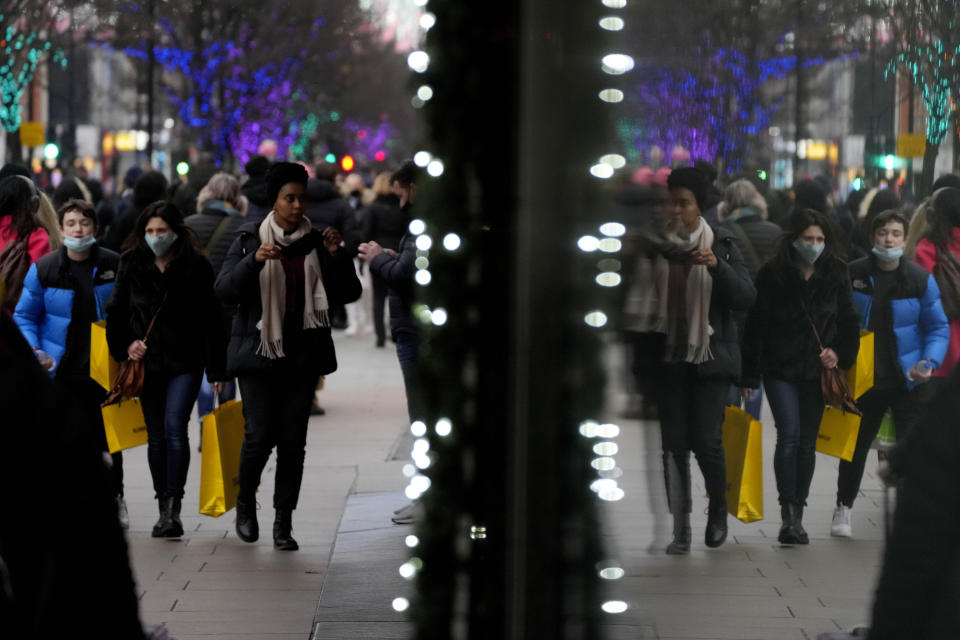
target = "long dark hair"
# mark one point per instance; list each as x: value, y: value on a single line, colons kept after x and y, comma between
x: 785, y: 258
x: 186, y: 243
x: 19, y: 199
x: 944, y: 216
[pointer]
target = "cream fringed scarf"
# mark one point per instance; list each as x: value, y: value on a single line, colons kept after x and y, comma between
x: 649, y: 303
x: 273, y: 290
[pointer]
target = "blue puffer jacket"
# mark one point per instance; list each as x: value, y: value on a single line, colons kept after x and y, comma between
x: 920, y: 327
x: 45, y: 309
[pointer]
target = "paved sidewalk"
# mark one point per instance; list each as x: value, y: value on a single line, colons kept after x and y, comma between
x: 751, y: 587
x: 212, y: 585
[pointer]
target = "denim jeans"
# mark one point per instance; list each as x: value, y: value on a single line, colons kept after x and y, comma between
x: 407, y: 345
x: 753, y: 405
x: 276, y: 409
x: 167, y: 402
x: 205, y: 398
x: 797, y: 409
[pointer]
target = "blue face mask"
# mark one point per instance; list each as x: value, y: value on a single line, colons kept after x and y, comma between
x: 887, y: 254
x: 809, y: 252
x: 79, y: 244
x: 161, y: 244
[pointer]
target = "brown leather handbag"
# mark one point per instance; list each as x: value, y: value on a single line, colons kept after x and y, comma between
x: 14, y: 264
x: 129, y: 380
x: 833, y: 382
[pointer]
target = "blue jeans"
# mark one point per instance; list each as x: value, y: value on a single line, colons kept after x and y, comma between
x: 167, y: 402
x: 753, y: 405
x: 407, y: 345
x: 205, y: 398
x: 797, y: 409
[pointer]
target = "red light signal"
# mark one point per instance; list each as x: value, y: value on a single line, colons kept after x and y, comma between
x: 380, y: 156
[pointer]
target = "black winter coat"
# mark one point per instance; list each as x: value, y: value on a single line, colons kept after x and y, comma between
x: 918, y: 595
x: 779, y: 341
x: 398, y: 273
x: 188, y: 335
x: 205, y: 223
x: 239, y: 284
x: 756, y: 237
x: 386, y: 222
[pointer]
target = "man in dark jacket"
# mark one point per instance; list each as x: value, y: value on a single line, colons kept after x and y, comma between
x: 327, y: 208
x: 397, y: 269
x: 255, y: 188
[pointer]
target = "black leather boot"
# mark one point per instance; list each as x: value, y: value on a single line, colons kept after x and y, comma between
x: 248, y: 529
x: 788, y: 530
x: 716, y: 532
x: 164, y: 520
x: 282, y: 529
x: 676, y: 476
x: 802, y: 537
x: 170, y: 525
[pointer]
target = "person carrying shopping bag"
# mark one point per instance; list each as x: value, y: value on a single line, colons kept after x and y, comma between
x: 166, y: 282
x: 283, y: 275
x: 803, y: 298
x: 696, y: 279
x: 900, y: 302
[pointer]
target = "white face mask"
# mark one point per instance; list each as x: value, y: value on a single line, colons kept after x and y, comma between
x: 887, y: 254
x: 79, y: 244
x: 809, y: 252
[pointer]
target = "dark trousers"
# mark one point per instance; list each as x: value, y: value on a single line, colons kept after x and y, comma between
x: 797, y: 409
x: 380, y: 290
x: 905, y: 405
x: 691, y: 419
x: 407, y: 345
x: 89, y: 396
x: 276, y: 407
x: 167, y: 401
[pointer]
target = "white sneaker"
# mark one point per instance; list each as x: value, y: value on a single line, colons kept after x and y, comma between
x: 122, y: 513
x: 840, y: 528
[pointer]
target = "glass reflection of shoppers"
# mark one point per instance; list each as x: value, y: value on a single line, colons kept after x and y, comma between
x: 900, y: 302
x: 63, y: 294
x: 164, y: 273
x: 804, y: 282
x: 283, y: 276
x: 697, y: 281
x: 939, y: 253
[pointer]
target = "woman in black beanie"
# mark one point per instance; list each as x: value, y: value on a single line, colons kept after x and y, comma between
x: 283, y: 276
x: 689, y: 282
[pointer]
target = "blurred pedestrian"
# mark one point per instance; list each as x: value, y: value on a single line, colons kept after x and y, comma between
x: 150, y: 187
x: 255, y: 188
x: 163, y: 275
x: 63, y: 294
x: 744, y: 214
x: 283, y: 275
x: 387, y: 223
x: 696, y: 280
x: 221, y: 207
x: 23, y: 240
x: 900, y: 302
x: 939, y: 253
x: 804, y: 289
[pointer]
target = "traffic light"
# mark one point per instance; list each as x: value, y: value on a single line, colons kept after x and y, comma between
x: 347, y: 163
x: 331, y: 158
x: 889, y: 162
x: 51, y: 151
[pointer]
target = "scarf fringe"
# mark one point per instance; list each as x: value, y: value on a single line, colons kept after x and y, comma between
x: 272, y: 349
x: 320, y: 318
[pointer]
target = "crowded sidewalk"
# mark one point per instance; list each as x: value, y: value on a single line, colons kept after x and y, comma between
x: 210, y: 584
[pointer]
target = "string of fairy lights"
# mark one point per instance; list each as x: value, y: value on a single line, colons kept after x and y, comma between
x: 607, y: 245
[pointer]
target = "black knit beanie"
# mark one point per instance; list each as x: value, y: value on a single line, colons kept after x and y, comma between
x: 282, y: 173
x: 692, y: 179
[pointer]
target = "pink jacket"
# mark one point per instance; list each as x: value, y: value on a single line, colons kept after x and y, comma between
x: 38, y: 244
x: 927, y: 258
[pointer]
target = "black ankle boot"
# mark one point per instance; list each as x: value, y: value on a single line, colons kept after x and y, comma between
x: 164, y: 520
x: 282, y: 529
x: 676, y: 475
x: 680, y: 546
x: 716, y: 532
x: 169, y: 525
x: 802, y: 537
x: 248, y: 529
x: 788, y: 530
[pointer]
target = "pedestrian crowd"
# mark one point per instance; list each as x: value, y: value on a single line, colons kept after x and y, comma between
x: 730, y: 293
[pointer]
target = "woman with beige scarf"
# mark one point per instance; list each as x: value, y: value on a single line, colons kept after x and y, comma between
x: 690, y: 280
x: 283, y: 275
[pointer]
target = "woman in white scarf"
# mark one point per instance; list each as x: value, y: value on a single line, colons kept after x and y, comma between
x: 687, y: 285
x: 283, y: 275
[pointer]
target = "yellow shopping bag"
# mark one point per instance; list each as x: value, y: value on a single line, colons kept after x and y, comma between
x: 103, y: 368
x: 860, y: 376
x: 838, y: 433
x: 220, y: 459
x: 743, y: 447
x: 124, y: 425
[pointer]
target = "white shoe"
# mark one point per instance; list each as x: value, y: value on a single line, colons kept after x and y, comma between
x: 840, y: 528
x: 122, y: 513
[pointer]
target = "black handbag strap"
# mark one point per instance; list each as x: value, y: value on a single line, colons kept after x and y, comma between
x: 816, y: 334
x: 154, y: 319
